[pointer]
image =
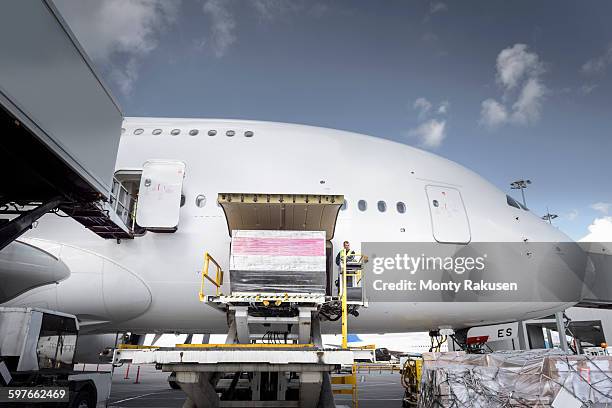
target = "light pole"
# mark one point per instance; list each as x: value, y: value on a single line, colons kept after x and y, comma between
x: 549, y: 217
x: 521, y: 185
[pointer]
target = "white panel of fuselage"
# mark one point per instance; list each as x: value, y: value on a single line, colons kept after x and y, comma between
x: 449, y: 220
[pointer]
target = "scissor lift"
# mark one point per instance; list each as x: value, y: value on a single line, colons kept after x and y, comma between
x: 273, y: 355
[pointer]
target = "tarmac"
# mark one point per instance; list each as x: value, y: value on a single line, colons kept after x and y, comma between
x: 375, y: 389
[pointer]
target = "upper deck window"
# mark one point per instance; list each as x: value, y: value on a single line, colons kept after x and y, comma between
x: 362, y: 205
x: 401, y: 207
x: 138, y: 131
x: 382, y: 206
x: 194, y: 132
x: 175, y: 132
x: 157, y: 132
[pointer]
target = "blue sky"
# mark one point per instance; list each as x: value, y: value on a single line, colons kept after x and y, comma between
x: 514, y: 89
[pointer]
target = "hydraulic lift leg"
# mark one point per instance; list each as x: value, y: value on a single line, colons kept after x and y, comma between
x: 199, y: 389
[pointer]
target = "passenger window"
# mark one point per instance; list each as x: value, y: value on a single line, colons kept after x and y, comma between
x: 344, y: 205
x: 512, y: 202
x: 401, y: 207
x: 200, y: 200
x: 362, y: 205
x: 382, y: 206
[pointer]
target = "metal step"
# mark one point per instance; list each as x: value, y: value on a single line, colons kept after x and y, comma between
x: 100, y: 221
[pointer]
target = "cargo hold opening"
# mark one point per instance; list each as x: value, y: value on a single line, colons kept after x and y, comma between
x: 291, y: 212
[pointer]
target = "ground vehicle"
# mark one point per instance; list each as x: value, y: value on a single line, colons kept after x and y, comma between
x: 36, y: 361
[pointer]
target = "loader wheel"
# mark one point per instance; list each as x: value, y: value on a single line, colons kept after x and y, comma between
x: 84, y: 399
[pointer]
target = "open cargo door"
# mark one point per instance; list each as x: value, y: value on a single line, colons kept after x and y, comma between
x: 293, y: 212
x: 449, y: 220
x: 159, y: 197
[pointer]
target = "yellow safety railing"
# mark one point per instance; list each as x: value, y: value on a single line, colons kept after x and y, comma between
x: 377, y: 367
x: 348, y: 382
x: 218, y: 281
x: 136, y: 347
x: 359, y: 258
x: 412, y: 372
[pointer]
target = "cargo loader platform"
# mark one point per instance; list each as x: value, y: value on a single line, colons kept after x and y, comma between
x: 279, y: 289
x: 197, y: 367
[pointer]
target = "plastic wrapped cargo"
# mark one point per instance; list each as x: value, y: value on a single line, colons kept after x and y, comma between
x: 535, y: 378
x: 278, y: 262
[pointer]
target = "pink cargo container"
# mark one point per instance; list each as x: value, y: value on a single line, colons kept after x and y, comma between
x: 278, y: 262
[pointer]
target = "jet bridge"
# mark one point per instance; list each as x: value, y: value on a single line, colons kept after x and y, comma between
x: 60, y: 126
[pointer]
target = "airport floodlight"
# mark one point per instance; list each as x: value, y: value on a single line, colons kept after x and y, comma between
x: 521, y: 185
x: 549, y: 217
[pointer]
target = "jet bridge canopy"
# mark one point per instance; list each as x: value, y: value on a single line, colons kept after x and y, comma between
x: 298, y: 212
x: 60, y: 125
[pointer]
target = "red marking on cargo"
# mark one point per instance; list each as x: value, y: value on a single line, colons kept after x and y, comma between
x: 477, y: 340
x: 278, y: 246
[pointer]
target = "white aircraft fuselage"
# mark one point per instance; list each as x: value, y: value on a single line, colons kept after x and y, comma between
x: 150, y: 284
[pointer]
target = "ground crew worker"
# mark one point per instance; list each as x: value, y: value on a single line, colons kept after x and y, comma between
x: 346, y: 251
x: 350, y: 255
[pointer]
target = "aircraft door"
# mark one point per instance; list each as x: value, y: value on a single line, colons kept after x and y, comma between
x: 159, y: 197
x: 449, y: 219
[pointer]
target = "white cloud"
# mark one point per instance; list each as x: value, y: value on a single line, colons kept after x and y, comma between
x: 423, y: 106
x: 223, y: 24
x: 271, y: 9
x: 437, y: 7
x: 599, y: 231
x: 222, y: 29
x: 519, y: 75
x: 527, y: 108
x: 515, y: 63
x: 117, y: 33
x: 493, y: 113
x: 572, y: 215
x: 598, y: 64
x: 431, y: 133
x: 602, y: 207
x: 125, y: 77
x: 588, y: 88
x: 443, y: 108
